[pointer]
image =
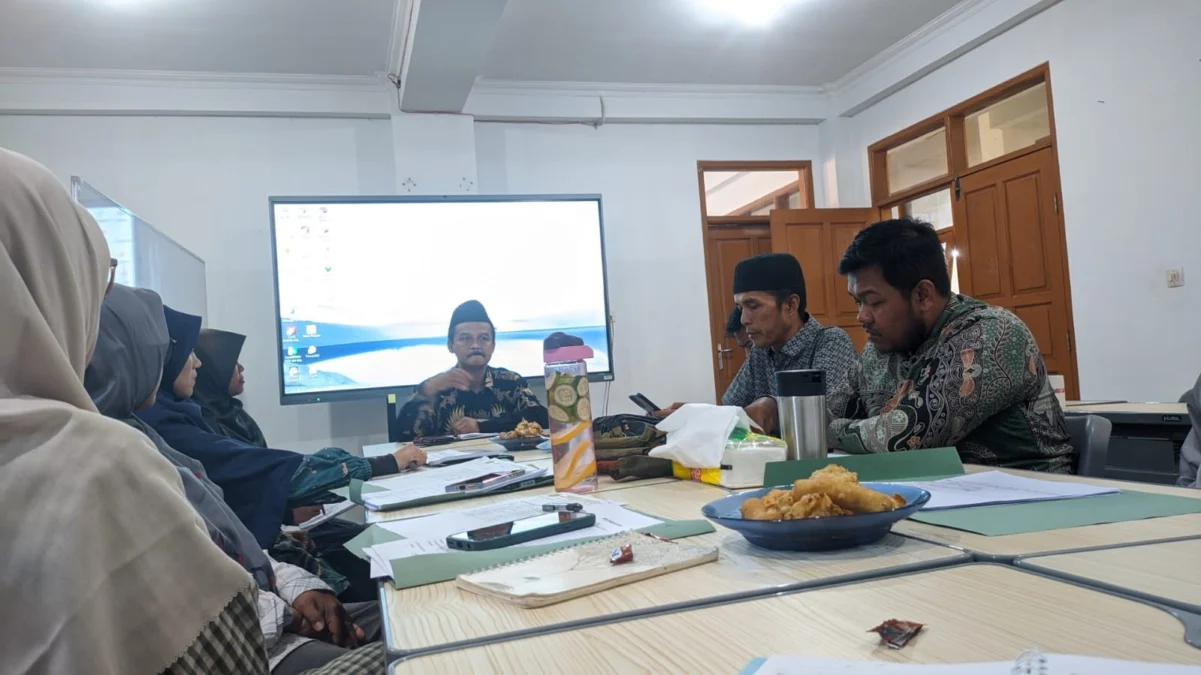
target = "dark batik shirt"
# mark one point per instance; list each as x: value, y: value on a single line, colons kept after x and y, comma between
x: 978, y: 383
x: 503, y: 401
x: 814, y: 347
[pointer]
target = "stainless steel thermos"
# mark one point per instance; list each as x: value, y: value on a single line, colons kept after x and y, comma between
x: 801, y: 404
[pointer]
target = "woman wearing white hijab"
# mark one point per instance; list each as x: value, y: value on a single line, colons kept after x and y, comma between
x: 105, y: 568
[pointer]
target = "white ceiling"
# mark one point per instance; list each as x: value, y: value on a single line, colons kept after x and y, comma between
x: 313, y: 37
x: 812, y: 42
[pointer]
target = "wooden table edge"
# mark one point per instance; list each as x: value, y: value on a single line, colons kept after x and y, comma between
x: 1190, y: 622
x: 394, y: 654
x: 1027, y: 562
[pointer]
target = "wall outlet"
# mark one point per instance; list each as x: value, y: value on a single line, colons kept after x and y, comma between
x: 1175, y: 277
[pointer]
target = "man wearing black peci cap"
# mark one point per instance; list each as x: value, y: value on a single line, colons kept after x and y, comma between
x: 769, y: 289
x: 473, y: 396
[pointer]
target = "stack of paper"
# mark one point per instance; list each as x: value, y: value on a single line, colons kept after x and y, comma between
x: 996, y: 487
x: 433, y: 482
x: 443, y: 457
x: 426, y: 535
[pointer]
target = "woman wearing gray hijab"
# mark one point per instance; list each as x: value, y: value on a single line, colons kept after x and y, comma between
x: 123, y: 377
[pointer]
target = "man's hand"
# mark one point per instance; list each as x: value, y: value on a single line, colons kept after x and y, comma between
x: 764, y: 413
x: 467, y: 425
x: 324, y: 618
x: 302, y: 538
x: 305, y: 513
x: 669, y: 410
x: 455, y: 378
x: 410, y: 456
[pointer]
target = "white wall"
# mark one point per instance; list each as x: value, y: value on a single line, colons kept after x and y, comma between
x: 204, y: 181
x: 655, y: 260
x: 1126, y: 85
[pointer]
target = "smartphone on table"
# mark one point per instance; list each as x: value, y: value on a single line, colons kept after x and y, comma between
x: 520, y: 531
x: 485, y: 481
x: 644, y: 403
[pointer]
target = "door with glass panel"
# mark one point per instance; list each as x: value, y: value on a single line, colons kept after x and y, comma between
x: 984, y: 174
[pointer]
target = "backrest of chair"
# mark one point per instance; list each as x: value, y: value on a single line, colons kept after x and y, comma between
x: 1090, y: 438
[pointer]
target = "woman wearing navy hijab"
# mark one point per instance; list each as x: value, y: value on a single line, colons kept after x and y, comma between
x: 261, y: 484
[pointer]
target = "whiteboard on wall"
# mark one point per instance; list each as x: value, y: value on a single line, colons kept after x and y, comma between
x: 146, y: 258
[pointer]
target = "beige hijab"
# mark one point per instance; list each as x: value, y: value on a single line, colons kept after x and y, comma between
x: 104, y: 568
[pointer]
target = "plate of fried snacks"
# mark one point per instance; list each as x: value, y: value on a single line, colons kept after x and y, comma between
x: 526, y: 436
x: 828, y: 510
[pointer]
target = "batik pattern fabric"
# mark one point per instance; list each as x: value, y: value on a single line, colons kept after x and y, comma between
x: 978, y: 383
x: 813, y: 347
x: 503, y: 401
x: 286, y: 550
x: 230, y: 644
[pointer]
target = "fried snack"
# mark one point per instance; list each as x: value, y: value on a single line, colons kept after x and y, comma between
x: 831, y: 491
x: 813, y: 486
x: 835, y: 472
x: 753, y: 509
x: 815, y: 506
x: 858, y: 499
x: 524, y: 429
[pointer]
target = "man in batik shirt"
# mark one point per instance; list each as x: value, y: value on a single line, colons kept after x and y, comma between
x: 940, y: 369
x: 472, y: 397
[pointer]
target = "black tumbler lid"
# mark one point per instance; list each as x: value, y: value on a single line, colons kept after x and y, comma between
x: 800, y: 383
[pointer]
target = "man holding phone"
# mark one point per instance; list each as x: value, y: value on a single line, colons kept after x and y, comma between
x: 472, y: 397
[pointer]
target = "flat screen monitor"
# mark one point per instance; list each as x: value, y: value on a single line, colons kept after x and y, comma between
x: 365, y: 286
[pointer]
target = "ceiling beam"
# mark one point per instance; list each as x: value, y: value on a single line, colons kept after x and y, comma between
x: 616, y: 103
x: 447, y: 43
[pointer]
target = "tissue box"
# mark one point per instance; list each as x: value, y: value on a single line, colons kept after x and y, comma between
x: 742, y: 463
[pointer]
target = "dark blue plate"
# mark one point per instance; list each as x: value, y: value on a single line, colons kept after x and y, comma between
x: 515, y: 444
x: 815, y: 534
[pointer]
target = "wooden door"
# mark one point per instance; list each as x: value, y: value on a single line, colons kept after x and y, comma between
x: 818, y: 238
x: 1012, y: 252
x: 725, y: 247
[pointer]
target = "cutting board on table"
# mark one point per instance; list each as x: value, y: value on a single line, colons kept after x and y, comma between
x: 582, y: 570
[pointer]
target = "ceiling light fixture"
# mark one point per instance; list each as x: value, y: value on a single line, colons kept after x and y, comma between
x: 753, y: 13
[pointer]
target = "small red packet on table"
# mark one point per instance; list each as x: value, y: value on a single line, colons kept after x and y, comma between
x: 896, y: 633
x: 622, y: 554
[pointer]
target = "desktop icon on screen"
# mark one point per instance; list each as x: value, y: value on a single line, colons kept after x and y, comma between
x: 312, y: 349
x: 291, y: 331
x: 310, y: 329
x: 294, y: 372
x: 312, y: 370
x: 291, y: 350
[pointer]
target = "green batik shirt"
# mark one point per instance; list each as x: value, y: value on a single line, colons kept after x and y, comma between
x: 978, y: 383
x: 503, y: 402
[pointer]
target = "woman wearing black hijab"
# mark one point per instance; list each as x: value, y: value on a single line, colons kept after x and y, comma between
x: 218, y: 384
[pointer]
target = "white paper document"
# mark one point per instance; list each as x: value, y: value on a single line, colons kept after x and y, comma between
x: 428, y: 535
x: 998, y: 487
x: 432, y: 482
x: 440, y: 457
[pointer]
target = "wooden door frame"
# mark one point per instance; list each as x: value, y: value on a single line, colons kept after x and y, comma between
x: 952, y: 119
x: 804, y: 166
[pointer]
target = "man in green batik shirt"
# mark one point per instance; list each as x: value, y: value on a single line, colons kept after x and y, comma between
x: 940, y: 369
x: 472, y: 397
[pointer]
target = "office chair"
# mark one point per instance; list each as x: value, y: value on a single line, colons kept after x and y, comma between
x: 1090, y: 438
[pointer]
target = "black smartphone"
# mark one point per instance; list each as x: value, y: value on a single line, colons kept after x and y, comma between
x: 520, y: 531
x: 644, y: 403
